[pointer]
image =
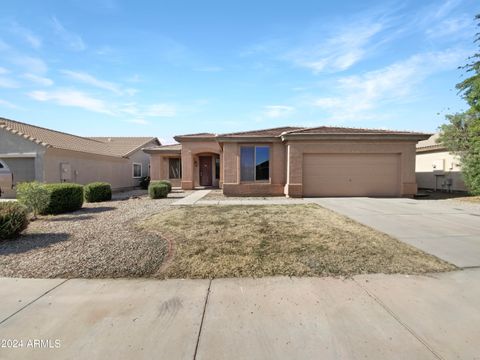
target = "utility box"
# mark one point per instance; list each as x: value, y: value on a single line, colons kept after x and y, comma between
x: 65, y: 172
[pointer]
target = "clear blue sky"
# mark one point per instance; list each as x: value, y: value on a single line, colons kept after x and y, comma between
x: 160, y: 68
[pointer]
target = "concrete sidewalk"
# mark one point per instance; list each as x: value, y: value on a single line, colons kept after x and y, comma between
x: 371, y: 316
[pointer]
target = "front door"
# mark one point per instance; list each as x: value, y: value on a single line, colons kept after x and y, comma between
x: 205, y: 170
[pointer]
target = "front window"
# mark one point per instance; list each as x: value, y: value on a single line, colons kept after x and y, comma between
x: 137, y: 170
x: 254, y: 163
x: 174, y: 168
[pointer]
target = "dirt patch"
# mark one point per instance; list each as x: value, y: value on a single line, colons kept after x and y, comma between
x: 294, y: 240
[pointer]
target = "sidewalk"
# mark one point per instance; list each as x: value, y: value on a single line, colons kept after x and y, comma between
x: 371, y: 316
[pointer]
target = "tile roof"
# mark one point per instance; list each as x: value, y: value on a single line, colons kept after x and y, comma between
x: 125, y: 145
x: 430, y: 144
x: 346, y: 130
x: 164, y: 148
x: 60, y: 140
x: 200, y: 135
x: 264, y: 132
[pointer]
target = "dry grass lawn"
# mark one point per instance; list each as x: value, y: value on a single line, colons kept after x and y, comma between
x: 295, y: 240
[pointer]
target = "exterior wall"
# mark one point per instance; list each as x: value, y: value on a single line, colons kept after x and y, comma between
x: 296, y: 150
x: 159, y: 168
x: 86, y: 168
x: 231, y: 171
x: 446, y: 176
x: 190, y: 152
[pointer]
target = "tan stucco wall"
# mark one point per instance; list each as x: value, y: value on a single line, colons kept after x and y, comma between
x: 159, y: 168
x: 231, y: 169
x: 88, y: 168
x: 296, y: 150
x: 190, y: 152
x: 447, y: 167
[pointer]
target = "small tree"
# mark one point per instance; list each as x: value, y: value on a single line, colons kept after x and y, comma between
x: 34, y: 196
x: 462, y: 134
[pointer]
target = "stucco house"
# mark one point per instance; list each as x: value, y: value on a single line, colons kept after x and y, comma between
x: 293, y: 161
x: 36, y: 153
x: 437, y: 168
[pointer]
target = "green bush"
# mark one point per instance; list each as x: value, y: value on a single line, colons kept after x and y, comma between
x: 33, y: 195
x: 165, y: 182
x: 97, y: 192
x: 144, y: 182
x: 63, y: 198
x: 13, y: 219
x: 157, y: 190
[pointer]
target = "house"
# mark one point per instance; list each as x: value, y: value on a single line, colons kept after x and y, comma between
x: 36, y: 153
x: 293, y: 161
x: 436, y: 168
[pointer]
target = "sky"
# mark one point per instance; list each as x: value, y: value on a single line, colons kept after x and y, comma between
x: 163, y: 68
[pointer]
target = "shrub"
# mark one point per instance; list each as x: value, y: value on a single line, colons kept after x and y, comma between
x: 166, y: 182
x: 98, y: 191
x: 33, y: 195
x: 63, y: 198
x: 13, y: 219
x: 157, y: 190
x: 144, y: 182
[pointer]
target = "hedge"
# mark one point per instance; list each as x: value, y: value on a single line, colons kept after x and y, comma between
x: 64, y: 197
x: 13, y: 219
x: 97, y: 192
x: 166, y: 182
x: 157, y: 190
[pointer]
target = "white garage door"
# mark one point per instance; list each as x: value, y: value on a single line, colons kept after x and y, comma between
x: 351, y: 175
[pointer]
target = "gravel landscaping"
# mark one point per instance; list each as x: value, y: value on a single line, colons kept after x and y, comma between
x: 100, y: 240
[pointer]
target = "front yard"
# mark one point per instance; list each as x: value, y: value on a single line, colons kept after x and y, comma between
x: 140, y: 237
x: 294, y: 240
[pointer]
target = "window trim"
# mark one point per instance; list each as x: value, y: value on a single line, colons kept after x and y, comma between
x: 254, y: 181
x: 133, y: 170
x: 180, y: 169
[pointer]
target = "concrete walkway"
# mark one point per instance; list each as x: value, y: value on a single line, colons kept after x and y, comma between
x: 449, y: 230
x: 371, y: 316
x: 192, y: 198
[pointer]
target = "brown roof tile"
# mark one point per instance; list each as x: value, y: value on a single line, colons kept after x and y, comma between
x: 65, y: 141
x: 273, y: 132
x: 347, y: 130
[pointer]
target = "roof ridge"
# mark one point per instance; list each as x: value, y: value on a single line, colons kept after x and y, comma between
x: 268, y: 129
x: 47, y: 129
x: 349, y: 128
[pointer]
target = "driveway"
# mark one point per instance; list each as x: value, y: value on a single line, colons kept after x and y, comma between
x: 371, y: 316
x: 447, y: 229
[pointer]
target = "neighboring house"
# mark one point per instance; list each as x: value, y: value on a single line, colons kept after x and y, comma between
x: 436, y: 168
x: 293, y: 161
x: 36, y: 153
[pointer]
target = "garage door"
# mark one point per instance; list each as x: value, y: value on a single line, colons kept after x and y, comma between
x: 23, y: 169
x: 351, y: 175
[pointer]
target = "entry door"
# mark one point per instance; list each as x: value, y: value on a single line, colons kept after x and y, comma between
x: 205, y: 170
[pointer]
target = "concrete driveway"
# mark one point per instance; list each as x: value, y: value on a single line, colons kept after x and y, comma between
x: 372, y: 316
x: 448, y: 229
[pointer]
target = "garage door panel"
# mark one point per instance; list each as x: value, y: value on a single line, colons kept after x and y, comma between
x: 351, y: 174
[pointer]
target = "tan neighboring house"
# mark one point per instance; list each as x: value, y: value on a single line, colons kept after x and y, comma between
x: 436, y: 168
x: 293, y: 161
x: 36, y: 153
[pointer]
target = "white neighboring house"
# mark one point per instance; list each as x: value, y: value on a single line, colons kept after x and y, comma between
x: 36, y: 153
x: 436, y: 168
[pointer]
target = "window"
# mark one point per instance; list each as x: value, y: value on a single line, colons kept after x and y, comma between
x: 217, y: 168
x: 137, y: 170
x: 174, y: 168
x: 254, y: 163
x: 1, y: 165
